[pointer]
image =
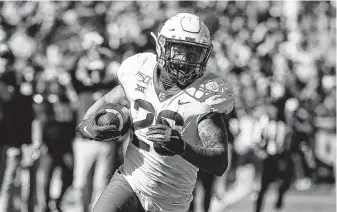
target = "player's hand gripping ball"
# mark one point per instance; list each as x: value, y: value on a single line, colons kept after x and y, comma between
x: 109, y: 123
x: 167, y: 141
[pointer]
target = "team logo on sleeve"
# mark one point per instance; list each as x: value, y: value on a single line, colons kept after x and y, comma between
x: 143, y: 78
x: 213, y: 87
x: 216, y: 92
x: 210, y: 88
x: 142, y: 81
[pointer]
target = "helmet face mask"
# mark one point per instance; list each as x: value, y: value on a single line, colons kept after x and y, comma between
x: 184, y: 61
x: 183, y: 54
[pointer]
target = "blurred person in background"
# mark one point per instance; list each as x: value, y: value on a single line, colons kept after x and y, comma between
x: 206, y: 180
x: 56, y: 115
x: 273, y: 150
x: 302, y: 135
x: 325, y: 123
x: 15, y: 123
x: 95, y: 162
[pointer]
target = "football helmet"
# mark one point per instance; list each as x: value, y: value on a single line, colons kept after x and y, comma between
x: 183, y: 48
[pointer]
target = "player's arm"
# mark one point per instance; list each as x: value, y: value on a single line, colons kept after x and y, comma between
x: 212, y: 156
x: 88, y: 127
x: 116, y: 96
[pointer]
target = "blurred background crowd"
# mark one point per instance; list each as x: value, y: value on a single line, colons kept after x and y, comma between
x: 55, y: 60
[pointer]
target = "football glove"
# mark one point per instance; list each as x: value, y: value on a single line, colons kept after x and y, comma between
x: 89, y: 129
x: 166, y: 137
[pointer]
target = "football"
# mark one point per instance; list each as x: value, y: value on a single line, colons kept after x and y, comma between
x: 116, y: 115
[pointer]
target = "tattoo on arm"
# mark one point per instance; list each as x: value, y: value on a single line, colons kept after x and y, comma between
x: 213, y: 135
x: 209, y: 138
x: 212, y: 131
x: 212, y: 155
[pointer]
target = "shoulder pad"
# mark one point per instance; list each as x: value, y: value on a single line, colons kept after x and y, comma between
x: 131, y: 65
x: 215, y: 92
x: 135, y: 74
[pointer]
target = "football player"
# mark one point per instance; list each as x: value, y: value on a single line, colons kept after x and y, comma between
x: 177, y: 125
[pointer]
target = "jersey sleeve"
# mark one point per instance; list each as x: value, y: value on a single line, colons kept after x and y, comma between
x: 127, y: 72
x: 127, y: 68
x: 223, y: 98
x: 215, y: 93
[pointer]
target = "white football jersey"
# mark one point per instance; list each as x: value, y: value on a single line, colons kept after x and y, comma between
x: 163, y: 182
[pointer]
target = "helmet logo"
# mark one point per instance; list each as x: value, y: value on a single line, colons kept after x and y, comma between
x: 191, y: 24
